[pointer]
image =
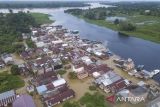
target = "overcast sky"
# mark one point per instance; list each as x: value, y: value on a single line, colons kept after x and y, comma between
x: 79, y: 0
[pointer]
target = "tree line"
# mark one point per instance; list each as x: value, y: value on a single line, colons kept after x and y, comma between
x: 101, y: 14
x: 41, y: 4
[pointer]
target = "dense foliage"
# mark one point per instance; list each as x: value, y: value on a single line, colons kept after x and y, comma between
x: 61, y: 72
x: 30, y: 43
x: 143, y: 8
x: 12, y: 26
x: 15, y: 70
x: 72, y: 75
x: 93, y: 100
x: 40, y: 4
x: 96, y: 13
x: 8, y: 82
x: 126, y: 26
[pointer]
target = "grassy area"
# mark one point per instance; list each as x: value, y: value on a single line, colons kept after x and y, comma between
x: 146, y: 31
x: 9, y: 82
x: 41, y: 18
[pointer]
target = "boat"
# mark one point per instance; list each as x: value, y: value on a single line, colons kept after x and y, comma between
x: 140, y: 67
x: 75, y: 32
x: 155, y: 72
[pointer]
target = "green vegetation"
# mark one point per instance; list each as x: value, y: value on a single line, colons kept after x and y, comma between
x: 41, y: 18
x: 69, y: 104
x: 72, y: 75
x: 93, y: 100
x: 9, y: 82
x: 61, y: 72
x: 30, y: 43
x: 15, y: 70
x: 140, y: 21
x: 88, y: 100
x: 92, y: 88
x: 12, y: 26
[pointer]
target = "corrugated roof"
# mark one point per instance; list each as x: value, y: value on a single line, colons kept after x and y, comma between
x: 7, y: 94
x: 59, y: 82
x: 24, y: 101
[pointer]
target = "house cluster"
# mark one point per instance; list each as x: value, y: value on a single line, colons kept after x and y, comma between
x: 138, y: 72
x: 54, y: 46
x: 52, y: 88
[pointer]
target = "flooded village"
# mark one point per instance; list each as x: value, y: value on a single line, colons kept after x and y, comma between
x: 61, y: 66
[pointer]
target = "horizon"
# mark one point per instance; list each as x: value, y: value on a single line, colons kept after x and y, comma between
x: 79, y: 0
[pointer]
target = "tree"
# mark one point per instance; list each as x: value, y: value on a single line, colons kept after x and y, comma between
x: 30, y: 43
x: 72, y: 75
x: 126, y: 26
x: 10, y: 11
x: 116, y: 22
x: 15, y: 70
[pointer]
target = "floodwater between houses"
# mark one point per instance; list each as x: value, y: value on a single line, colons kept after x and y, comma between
x: 141, y: 51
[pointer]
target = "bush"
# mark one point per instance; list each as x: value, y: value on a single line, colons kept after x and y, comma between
x: 72, y: 75
x: 92, y: 88
x: 15, y: 70
x: 61, y: 72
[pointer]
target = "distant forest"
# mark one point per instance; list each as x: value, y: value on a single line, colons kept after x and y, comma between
x: 41, y: 4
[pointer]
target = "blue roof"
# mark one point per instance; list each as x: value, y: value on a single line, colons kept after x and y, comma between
x: 41, y: 89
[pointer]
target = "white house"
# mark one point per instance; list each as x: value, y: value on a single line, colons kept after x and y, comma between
x: 77, y: 69
x: 7, y: 58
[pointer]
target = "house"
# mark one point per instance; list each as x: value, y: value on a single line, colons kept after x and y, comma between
x: 26, y: 35
x: 30, y: 88
x: 25, y: 55
x: 86, y: 60
x: 59, y: 98
x: 96, y: 74
x: 82, y: 75
x: 128, y: 65
x: 41, y: 89
x: 57, y: 64
x: 7, y: 58
x: 154, y: 103
x: 2, y: 65
x: 40, y: 44
x: 59, y: 82
x: 77, y: 67
x: 24, y: 101
x: 134, y: 91
x: 7, y: 98
x: 109, y: 81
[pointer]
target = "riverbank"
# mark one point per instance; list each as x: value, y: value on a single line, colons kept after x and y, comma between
x: 42, y: 18
x: 147, y: 32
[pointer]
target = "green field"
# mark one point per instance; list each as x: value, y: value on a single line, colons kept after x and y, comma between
x: 9, y: 82
x: 41, y: 18
x: 148, y: 31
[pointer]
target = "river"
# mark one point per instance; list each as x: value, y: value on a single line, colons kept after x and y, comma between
x: 141, y: 51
